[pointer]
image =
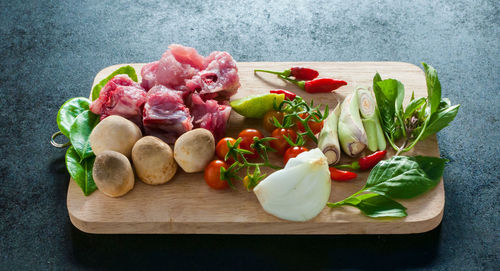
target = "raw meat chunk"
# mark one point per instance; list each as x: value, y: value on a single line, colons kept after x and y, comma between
x: 120, y: 96
x: 165, y: 114
x: 148, y: 74
x: 177, y: 65
x: 210, y: 115
x: 187, y: 55
x: 218, y: 79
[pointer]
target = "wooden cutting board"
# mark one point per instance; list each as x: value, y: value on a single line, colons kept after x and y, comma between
x: 187, y: 205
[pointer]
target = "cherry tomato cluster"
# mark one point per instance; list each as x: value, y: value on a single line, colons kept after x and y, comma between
x: 246, y: 145
x: 213, y: 170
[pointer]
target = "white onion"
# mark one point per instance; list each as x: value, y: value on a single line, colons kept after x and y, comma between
x: 299, y: 191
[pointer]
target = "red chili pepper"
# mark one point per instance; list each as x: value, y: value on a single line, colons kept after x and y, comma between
x: 323, y: 85
x: 367, y: 162
x: 371, y: 160
x: 289, y: 95
x: 300, y: 73
x: 318, y: 85
x: 341, y: 175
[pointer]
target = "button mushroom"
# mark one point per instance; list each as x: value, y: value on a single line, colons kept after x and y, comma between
x: 114, y: 133
x: 153, y: 160
x: 194, y: 149
x: 113, y: 174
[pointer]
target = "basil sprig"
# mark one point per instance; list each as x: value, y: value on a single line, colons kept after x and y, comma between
x: 400, y: 177
x: 421, y: 118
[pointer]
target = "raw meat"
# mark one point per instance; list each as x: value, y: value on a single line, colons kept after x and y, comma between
x: 183, y: 77
x: 177, y: 65
x: 120, y: 96
x: 187, y: 55
x: 148, y: 74
x: 210, y: 115
x: 218, y: 79
x: 165, y: 114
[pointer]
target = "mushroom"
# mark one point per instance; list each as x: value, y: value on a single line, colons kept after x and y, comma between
x: 114, y: 133
x: 153, y: 160
x: 113, y: 174
x: 194, y: 149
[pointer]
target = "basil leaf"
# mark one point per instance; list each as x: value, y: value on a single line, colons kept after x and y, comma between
x: 81, y: 172
x: 445, y: 103
x: 433, y: 87
x: 405, y: 177
x: 375, y: 205
x: 128, y: 70
x: 432, y: 166
x: 440, y: 119
x: 80, y: 132
x: 400, y: 95
x: 385, y: 105
x: 413, y: 106
x: 69, y: 111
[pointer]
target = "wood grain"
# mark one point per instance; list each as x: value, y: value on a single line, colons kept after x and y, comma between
x: 187, y: 205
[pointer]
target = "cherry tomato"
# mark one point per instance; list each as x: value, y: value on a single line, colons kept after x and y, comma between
x: 268, y: 122
x: 212, y: 174
x: 222, y: 149
x: 293, y: 152
x: 247, y: 136
x: 315, y: 126
x: 280, y: 143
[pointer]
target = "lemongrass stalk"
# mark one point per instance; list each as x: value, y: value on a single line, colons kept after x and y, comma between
x: 328, y: 141
x: 352, y: 135
x: 369, y: 116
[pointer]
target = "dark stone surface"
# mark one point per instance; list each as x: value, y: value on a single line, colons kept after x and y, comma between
x: 51, y: 50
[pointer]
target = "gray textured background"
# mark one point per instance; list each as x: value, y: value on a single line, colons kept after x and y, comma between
x: 51, y: 50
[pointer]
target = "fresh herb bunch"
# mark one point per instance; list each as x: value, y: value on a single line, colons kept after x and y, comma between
x: 421, y: 118
x: 400, y: 177
x: 298, y: 110
x: 253, y: 174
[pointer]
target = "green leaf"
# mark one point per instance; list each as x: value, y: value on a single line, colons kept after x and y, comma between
x: 80, y: 132
x: 432, y: 166
x: 81, y: 172
x: 389, y: 94
x: 413, y: 106
x: 440, y: 119
x: 69, y: 111
x: 385, y: 106
x: 128, y: 70
x: 405, y: 177
x: 433, y: 87
x: 445, y: 103
x: 375, y: 205
x: 400, y: 95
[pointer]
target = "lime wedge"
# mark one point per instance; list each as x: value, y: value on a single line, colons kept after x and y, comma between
x: 256, y: 106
